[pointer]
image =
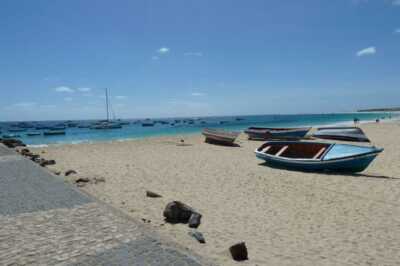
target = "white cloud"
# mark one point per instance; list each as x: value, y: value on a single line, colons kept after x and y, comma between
x: 68, y: 99
x: 196, y: 94
x: 367, y: 51
x: 155, y: 57
x: 120, y: 97
x: 84, y: 89
x: 396, y: 2
x: 63, y: 89
x: 163, y: 50
x: 193, y: 54
x: 397, y: 31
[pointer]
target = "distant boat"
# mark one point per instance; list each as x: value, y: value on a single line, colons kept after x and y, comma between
x: 218, y: 136
x: 16, y: 129
x: 341, y: 133
x: 314, y: 156
x: 162, y: 122
x: 264, y: 133
x: 72, y: 124
x: 54, y: 132
x: 57, y: 128
x: 33, y: 134
x: 42, y: 127
x: 106, y: 124
x: 147, y: 124
x: 83, y: 126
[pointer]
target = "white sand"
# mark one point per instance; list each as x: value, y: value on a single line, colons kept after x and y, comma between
x: 285, y: 217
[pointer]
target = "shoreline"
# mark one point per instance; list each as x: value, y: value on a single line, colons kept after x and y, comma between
x: 189, y: 134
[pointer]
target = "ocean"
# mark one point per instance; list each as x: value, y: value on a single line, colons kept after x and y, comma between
x: 181, y: 126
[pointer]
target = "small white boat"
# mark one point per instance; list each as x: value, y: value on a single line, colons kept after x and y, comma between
x: 218, y: 136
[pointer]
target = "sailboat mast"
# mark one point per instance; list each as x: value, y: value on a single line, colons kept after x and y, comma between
x: 107, y: 104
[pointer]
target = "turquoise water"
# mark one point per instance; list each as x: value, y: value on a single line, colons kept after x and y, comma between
x: 136, y: 130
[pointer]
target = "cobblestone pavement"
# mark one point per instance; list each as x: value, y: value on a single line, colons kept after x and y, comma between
x: 53, y: 224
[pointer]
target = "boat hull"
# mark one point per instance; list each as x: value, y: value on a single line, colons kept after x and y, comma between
x: 289, y: 134
x: 55, y: 133
x: 317, y: 156
x: 255, y: 133
x: 352, y: 164
x: 220, y: 137
x: 354, y: 134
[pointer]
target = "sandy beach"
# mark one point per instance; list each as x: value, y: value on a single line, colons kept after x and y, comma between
x: 285, y: 217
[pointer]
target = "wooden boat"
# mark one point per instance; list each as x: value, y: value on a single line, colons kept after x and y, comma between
x: 219, y: 136
x: 54, y: 132
x: 264, y: 133
x: 33, y: 134
x: 341, y: 133
x: 317, y: 156
x: 147, y: 124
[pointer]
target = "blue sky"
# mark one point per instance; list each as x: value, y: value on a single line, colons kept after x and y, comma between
x: 196, y: 58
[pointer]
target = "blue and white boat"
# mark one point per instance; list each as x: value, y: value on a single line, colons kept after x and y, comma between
x: 317, y: 156
x: 265, y: 133
x: 341, y: 133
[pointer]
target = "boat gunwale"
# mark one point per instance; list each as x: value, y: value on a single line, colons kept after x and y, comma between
x: 321, y: 159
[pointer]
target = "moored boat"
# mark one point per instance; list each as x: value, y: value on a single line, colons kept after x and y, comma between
x: 106, y: 124
x: 54, y: 132
x: 317, y: 156
x: 265, y: 133
x: 147, y: 124
x: 219, y: 136
x: 341, y: 133
x: 33, y: 134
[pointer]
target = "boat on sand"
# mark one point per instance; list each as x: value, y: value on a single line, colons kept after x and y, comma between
x: 218, y: 136
x: 317, y: 156
x: 341, y: 133
x: 265, y: 133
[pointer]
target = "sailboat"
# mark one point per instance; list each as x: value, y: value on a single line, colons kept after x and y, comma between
x: 106, y: 124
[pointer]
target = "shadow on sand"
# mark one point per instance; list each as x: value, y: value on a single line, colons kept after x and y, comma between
x: 332, y: 173
x: 218, y: 143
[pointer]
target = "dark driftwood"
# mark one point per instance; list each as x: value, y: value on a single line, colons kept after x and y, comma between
x: 70, y: 172
x: 152, y: 194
